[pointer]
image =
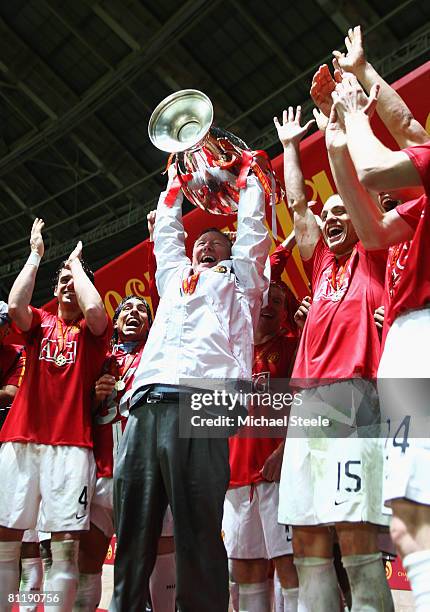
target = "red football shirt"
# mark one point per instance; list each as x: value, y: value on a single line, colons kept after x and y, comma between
x: 12, y: 364
x: 53, y: 404
x: 413, y: 287
x: 109, y: 422
x: 340, y: 339
x: 272, y: 359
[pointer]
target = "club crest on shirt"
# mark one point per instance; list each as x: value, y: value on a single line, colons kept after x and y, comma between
x: 49, y: 351
x: 325, y: 290
x: 221, y: 269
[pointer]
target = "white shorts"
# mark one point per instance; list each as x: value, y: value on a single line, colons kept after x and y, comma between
x: 405, y: 405
x: 32, y: 535
x: 250, y: 523
x: 48, y: 487
x: 102, y: 510
x: 327, y: 480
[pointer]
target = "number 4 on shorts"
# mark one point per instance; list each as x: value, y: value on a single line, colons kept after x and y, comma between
x: 404, y: 428
x: 83, y: 497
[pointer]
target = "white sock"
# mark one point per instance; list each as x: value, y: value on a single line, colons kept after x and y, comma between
x: 63, y: 574
x: 162, y: 584
x: 234, y: 595
x: 89, y: 592
x: 369, y: 587
x: 9, y: 572
x: 278, y: 597
x: 31, y: 579
x: 291, y: 599
x: 417, y: 566
x: 254, y: 597
x: 318, y: 590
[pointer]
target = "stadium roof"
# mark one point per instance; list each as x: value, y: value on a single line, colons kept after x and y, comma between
x: 79, y: 80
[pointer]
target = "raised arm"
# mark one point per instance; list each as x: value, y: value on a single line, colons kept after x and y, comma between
x: 391, y: 108
x: 306, y: 227
x: 251, y: 247
x: 88, y: 297
x: 378, y: 168
x: 22, y: 290
x: 169, y: 237
x: 375, y: 229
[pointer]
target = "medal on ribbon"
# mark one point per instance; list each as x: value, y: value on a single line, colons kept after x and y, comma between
x: 119, y: 385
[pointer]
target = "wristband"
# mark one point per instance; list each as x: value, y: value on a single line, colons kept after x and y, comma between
x: 33, y: 259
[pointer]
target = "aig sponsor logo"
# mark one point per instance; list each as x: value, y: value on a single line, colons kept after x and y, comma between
x: 49, y: 351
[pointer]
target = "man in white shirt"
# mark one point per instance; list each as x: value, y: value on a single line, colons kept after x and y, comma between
x: 204, y: 329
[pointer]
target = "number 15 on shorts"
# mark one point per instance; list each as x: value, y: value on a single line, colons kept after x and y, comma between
x: 348, y: 480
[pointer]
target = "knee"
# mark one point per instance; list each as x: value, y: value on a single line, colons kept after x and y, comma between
x: 250, y: 571
x: 313, y: 542
x: 286, y: 571
x: 402, y: 538
x: 357, y: 539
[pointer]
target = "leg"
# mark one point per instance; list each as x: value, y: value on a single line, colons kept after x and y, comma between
x: 313, y: 558
x: 410, y: 530
x: 251, y: 575
x: 63, y: 573
x: 93, y: 547
x: 10, y: 549
x: 162, y: 583
x: 196, y: 473
x: 139, y: 505
x: 31, y: 567
x: 363, y: 563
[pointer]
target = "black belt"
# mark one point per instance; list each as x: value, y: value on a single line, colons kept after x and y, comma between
x: 168, y: 394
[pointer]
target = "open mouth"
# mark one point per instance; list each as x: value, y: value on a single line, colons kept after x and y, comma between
x: 334, y: 231
x: 266, y: 315
x: 134, y: 323
x: 388, y: 203
x: 208, y: 259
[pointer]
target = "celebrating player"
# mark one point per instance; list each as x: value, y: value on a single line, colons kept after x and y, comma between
x: 326, y: 479
x: 46, y: 460
x: 380, y: 169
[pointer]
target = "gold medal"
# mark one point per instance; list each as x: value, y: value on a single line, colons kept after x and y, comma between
x: 60, y: 360
x: 120, y: 385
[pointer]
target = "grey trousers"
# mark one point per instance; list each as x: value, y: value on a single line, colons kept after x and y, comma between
x: 156, y: 467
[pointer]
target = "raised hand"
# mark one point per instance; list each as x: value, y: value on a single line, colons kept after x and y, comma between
x: 150, y: 217
x: 322, y: 87
x: 76, y: 253
x: 350, y: 97
x: 335, y: 135
x: 355, y: 57
x: 291, y: 132
x: 36, y: 240
x: 321, y: 119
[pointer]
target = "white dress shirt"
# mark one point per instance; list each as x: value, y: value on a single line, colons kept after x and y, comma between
x: 209, y: 333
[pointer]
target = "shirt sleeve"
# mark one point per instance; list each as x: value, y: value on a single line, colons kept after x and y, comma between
x: 411, y: 211
x: 14, y: 370
x: 251, y: 248
x: 278, y: 261
x: 318, y: 262
x: 420, y: 157
x: 152, y: 269
x: 169, y: 241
